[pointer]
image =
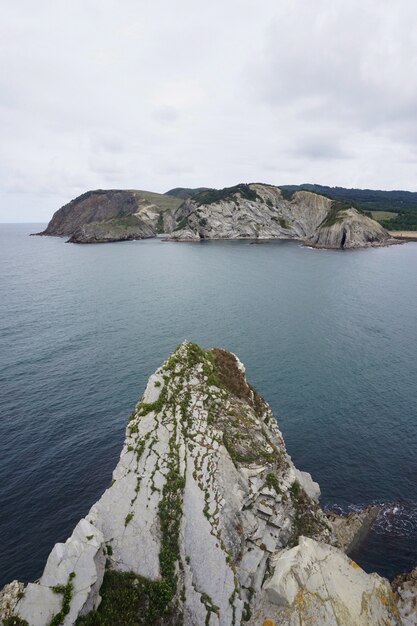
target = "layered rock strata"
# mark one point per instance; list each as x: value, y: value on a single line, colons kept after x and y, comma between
x: 260, y: 211
x: 112, y: 215
x: 352, y: 529
x: 405, y: 587
x: 255, y: 211
x: 206, y: 522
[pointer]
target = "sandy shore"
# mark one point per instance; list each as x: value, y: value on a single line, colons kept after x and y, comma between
x: 404, y: 234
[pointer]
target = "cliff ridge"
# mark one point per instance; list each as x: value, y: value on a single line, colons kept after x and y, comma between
x: 206, y: 521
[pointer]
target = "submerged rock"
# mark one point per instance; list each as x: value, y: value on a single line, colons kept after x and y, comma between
x: 352, y: 529
x: 207, y: 521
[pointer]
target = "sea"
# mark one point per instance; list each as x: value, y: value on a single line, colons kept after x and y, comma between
x: 329, y: 338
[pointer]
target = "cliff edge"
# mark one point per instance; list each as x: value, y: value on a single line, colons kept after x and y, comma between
x: 259, y: 211
x: 255, y: 211
x: 206, y: 522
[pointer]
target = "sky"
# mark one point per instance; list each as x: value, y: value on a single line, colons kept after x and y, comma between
x: 155, y: 94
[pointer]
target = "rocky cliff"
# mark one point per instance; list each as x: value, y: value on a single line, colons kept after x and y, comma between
x: 206, y: 522
x: 113, y: 215
x: 253, y: 211
x: 259, y: 211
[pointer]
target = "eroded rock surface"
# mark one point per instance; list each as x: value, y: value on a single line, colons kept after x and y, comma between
x: 204, y: 521
x: 351, y: 529
x: 405, y: 586
x: 259, y: 211
x: 112, y: 215
x: 317, y: 584
x: 256, y: 211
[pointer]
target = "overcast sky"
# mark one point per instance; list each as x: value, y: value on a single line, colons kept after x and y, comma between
x: 154, y: 94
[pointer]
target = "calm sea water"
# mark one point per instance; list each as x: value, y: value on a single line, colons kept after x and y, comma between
x: 329, y: 338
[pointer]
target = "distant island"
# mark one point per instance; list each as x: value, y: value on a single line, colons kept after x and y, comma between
x: 322, y: 217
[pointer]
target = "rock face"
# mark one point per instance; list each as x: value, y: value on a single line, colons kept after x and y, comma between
x: 318, y: 584
x: 114, y: 215
x: 351, y: 529
x: 207, y: 521
x: 259, y: 211
x: 253, y: 211
x: 349, y: 229
x: 405, y: 586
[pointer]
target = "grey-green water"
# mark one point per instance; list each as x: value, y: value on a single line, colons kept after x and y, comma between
x: 328, y: 338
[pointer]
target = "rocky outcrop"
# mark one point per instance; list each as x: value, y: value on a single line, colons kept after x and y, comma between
x: 207, y: 521
x: 259, y: 211
x: 111, y: 215
x: 9, y: 597
x: 117, y: 229
x: 318, y: 584
x: 352, y: 529
x: 348, y: 228
x: 255, y: 211
x: 405, y: 587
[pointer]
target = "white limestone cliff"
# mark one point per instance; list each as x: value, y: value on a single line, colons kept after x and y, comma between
x: 206, y: 522
x: 259, y: 211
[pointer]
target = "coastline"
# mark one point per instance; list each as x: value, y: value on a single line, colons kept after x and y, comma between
x: 404, y: 235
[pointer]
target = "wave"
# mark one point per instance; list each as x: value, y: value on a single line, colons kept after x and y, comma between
x: 396, y: 519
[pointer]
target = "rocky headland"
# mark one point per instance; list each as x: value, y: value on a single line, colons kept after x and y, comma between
x: 112, y: 215
x: 255, y: 211
x: 206, y: 522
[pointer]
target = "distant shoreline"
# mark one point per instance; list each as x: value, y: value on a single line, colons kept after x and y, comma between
x: 411, y: 235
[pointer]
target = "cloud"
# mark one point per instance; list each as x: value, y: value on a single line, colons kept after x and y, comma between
x: 155, y: 95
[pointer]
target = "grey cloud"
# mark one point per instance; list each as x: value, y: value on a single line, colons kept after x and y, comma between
x: 106, y: 93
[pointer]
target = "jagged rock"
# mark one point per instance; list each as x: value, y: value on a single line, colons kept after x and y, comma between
x: 9, y: 597
x: 314, y: 583
x: 311, y: 488
x: 405, y: 586
x: 256, y: 211
x: 112, y: 215
x: 203, y: 502
x: 79, y: 562
x: 260, y: 211
x: 349, y: 229
x: 351, y: 529
x: 118, y: 229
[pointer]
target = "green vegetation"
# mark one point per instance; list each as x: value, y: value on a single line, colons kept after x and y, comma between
x: 334, y: 214
x: 295, y: 489
x: 129, y: 518
x: 66, y: 591
x: 128, y: 600
x: 403, y: 221
x: 273, y: 482
x: 403, y: 203
x: 210, y: 607
x: 160, y: 223
x: 14, y: 620
x: 283, y: 222
x: 307, y: 521
x: 287, y: 193
x: 161, y: 200
x: 215, y: 195
x: 146, y: 407
x: 382, y: 215
x: 182, y: 223
x: 186, y: 192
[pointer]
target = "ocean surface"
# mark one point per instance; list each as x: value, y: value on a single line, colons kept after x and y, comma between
x: 329, y: 338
